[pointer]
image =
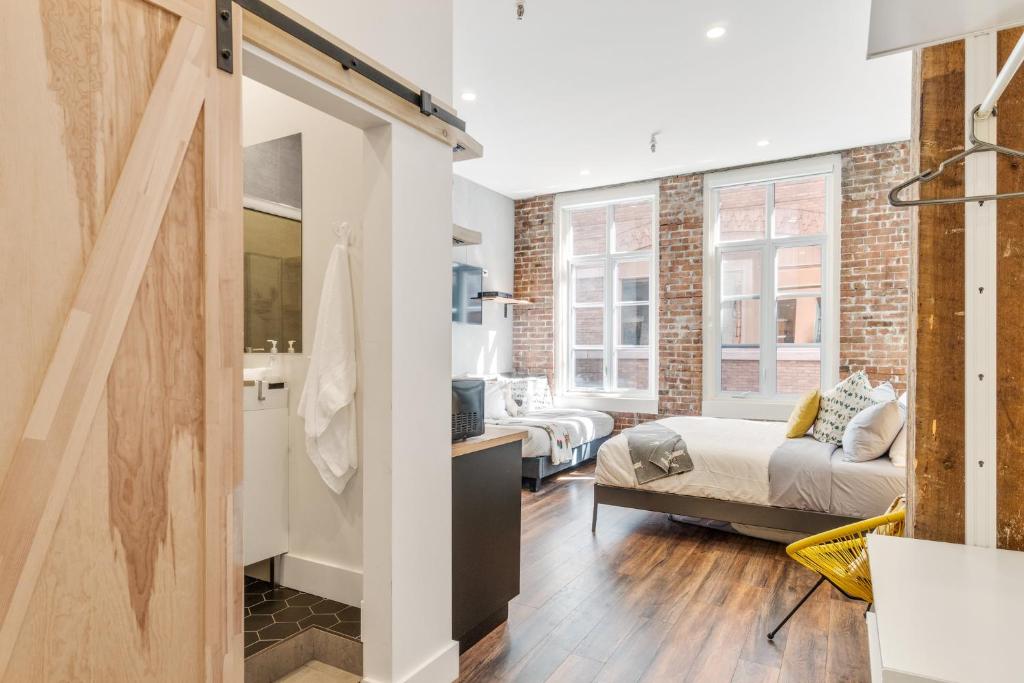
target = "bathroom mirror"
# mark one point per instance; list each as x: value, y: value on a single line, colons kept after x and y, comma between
x: 273, y: 244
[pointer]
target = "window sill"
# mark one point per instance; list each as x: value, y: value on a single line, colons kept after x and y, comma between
x: 609, y: 403
x: 748, y: 408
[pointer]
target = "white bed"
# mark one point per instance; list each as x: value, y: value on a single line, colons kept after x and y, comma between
x: 582, y: 426
x: 738, y: 469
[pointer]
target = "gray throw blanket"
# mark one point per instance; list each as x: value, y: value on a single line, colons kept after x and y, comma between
x: 800, y: 474
x: 656, y: 452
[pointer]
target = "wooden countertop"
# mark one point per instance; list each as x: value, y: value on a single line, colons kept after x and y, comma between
x: 492, y: 436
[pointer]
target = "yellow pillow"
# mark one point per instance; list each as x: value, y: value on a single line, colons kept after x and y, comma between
x: 802, y: 417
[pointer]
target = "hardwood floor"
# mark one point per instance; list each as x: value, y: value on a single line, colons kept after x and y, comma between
x: 648, y: 599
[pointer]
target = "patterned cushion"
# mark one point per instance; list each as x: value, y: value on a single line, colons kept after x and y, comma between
x: 839, y: 405
x: 530, y: 393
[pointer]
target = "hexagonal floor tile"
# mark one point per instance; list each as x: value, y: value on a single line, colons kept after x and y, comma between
x: 258, y: 621
x: 328, y: 607
x: 278, y: 631
x: 322, y: 620
x: 280, y: 594
x: 269, y: 607
x: 303, y: 600
x: 295, y: 614
x: 275, y: 614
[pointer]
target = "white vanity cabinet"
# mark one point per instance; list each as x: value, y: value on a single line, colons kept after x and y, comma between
x: 265, y: 508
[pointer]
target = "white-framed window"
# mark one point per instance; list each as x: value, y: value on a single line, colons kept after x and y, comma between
x: 771, y: 285
x: 606, y: 308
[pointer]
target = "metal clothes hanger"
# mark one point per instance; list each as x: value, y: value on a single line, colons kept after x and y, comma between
x: 982, y: 111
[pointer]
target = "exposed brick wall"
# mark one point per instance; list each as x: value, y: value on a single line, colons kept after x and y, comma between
x: 874, y: 288
x: 533, y: 332
x: 681, y: 287
x: 874, y: 312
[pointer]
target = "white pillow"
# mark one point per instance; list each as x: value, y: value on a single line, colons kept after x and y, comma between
x: 531, y: 393
x: 510, y: 403
x: 898, y: 449
x: 838, y: 406
x: 494, y: 401
x: 872, y: 431
x: 883, y: 392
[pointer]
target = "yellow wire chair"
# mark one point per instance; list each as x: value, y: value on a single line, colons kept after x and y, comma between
x: 840, y: 556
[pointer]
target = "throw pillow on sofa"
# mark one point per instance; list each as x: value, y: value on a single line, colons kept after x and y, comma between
x: 839, y: 405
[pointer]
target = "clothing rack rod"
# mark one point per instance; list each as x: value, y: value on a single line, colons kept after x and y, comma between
x: 1002, y: 80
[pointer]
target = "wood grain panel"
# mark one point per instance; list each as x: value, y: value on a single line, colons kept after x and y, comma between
x: 939, y: 354
x: 155, y: 395
x: 222, y: 258
x: 1010, y: 314
x: 119, y: 540
x: 119, y: 559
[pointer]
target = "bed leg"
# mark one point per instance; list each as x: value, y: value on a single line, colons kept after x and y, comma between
x: 534, y: 484
x: 593, y: 523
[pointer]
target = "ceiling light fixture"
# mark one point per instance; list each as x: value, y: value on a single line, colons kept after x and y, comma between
x: 469, y: 96
x: 520, y: 9
x: 585, y: 171
x: 715, y: 32
x: 763, y: 143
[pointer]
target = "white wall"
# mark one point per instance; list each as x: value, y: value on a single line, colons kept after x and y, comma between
x: 406, y: 338
x: 485, y: 349
x: 413, y: 38
x: 325, y: 529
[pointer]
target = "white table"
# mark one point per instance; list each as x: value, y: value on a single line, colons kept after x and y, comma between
x: 945, y: 612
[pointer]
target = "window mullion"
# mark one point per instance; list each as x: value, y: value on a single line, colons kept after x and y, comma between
x: 609, y: 294
x: 768, y: 306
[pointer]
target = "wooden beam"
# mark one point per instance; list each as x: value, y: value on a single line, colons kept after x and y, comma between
x: 45, y: 460
x: 938, y: 413
x: 1010, y: 314
x: 295, y: 52
x: 223, y: 252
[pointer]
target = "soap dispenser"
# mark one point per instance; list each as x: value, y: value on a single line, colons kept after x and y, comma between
x: 291, y: 346
x: 273, y: 371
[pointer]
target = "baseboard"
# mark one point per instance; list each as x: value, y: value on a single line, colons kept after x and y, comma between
x: 441, y: 668
x: 319, y: 578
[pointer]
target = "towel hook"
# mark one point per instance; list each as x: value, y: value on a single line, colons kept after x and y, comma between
x: 342, y: 231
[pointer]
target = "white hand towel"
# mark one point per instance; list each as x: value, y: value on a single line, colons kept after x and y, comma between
x: 328, y: 398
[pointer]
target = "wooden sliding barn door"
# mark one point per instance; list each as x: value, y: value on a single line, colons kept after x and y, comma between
x: 120, y: 412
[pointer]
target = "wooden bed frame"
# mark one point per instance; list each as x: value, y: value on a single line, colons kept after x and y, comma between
x: 785, y: 519
x: 538, y: 467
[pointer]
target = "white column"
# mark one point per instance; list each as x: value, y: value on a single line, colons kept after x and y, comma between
x: 407, y: 545
x: 980, y: 296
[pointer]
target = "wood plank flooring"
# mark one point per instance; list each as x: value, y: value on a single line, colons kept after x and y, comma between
x: 648, y: 599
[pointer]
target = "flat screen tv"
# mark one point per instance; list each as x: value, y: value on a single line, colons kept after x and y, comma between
x: 467, y: 281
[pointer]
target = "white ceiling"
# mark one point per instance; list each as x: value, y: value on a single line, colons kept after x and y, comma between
x: 582, y: 84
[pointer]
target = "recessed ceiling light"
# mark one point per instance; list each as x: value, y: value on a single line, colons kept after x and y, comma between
x: 716, y: 32
x: 585, y: 171
x: 763, y: 143
x: 469, y: 96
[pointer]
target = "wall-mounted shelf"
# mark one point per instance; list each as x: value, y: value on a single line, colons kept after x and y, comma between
x: 464, y: 237
x: 503, y: 298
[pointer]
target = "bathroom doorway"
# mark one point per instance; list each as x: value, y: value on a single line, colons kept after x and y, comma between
x: 302, y: 540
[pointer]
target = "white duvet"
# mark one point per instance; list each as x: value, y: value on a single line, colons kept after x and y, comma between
x: 730, y: 459
x: 582, y: 426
